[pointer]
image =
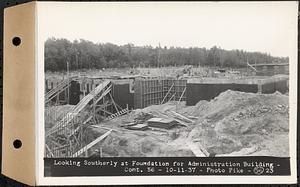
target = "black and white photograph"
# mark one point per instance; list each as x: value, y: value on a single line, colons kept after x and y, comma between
x: 167, y: 80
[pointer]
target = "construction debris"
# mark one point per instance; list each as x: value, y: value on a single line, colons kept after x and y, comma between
x: 87, y: 147
x: 181, y: 117
x: 141, y: 127
x: 143, y: 117
x: 62, y: 86
x: 195, y: 149
x: 161, y: 123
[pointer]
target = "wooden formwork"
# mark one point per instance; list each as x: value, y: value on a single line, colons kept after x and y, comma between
x: 157, y: 91
x: 68, y: 134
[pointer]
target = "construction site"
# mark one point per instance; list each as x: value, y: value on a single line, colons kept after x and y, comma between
x: 168, y: 112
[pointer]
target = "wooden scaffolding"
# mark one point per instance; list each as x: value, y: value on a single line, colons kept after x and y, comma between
x: 68, y: 138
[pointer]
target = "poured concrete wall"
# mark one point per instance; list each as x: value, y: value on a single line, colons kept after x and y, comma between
x: 196, y: 92
x: 272, y: 87
x: 122, y: 94
x: 74, y: 93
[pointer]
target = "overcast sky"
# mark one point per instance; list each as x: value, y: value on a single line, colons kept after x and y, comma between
x: 265, y: 27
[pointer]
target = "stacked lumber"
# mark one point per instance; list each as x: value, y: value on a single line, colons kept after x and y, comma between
x: 161, y: 123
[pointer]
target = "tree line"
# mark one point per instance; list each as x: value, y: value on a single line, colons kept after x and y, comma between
x: 61, y: 54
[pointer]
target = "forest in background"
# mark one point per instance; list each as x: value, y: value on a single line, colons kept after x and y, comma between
x: 83, y: 54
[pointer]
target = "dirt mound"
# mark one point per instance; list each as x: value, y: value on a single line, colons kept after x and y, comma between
x: 236, y: 120
x: 142, y: 144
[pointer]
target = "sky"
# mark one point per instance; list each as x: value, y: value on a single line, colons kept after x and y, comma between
x: 267, y: 27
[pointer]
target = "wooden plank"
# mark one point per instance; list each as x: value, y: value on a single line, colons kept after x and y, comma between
x: 107, y: 128
x: 113, y: 102
x: 251, y: 66
x: 173, y: 96
x: 170, y: 117
x: 87, y: 120
x: 192, y: 117
x: 52, y: 155
x: 182, y: 117
x: 195, y: 149
x: 90, y: 145
x: 57, y: 90
x: 167, y: 93
x: 182, y: 94
x: 104, y: 94
x: 79, y: 107
x: 202, y: 148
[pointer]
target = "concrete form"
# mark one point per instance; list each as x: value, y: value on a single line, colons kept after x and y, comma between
x: 156, y: 91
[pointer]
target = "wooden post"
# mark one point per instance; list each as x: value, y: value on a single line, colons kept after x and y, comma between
x: 259, y: 87
x: 94, y: 106
x: 113, y: 103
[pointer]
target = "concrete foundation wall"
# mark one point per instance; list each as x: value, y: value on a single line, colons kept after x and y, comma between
x: 74, y: 93
x: 196, y: 92
x: 122, y: 95
x: 272, y: 87
x: 146, y: 92
x: 207, y: 89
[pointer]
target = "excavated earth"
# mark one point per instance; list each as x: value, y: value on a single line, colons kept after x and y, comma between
x: 232, y: 124
x: 237, y: 123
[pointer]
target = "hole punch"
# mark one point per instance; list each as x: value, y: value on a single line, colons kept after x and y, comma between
x: 17, y: 143
x: 16, y: 41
